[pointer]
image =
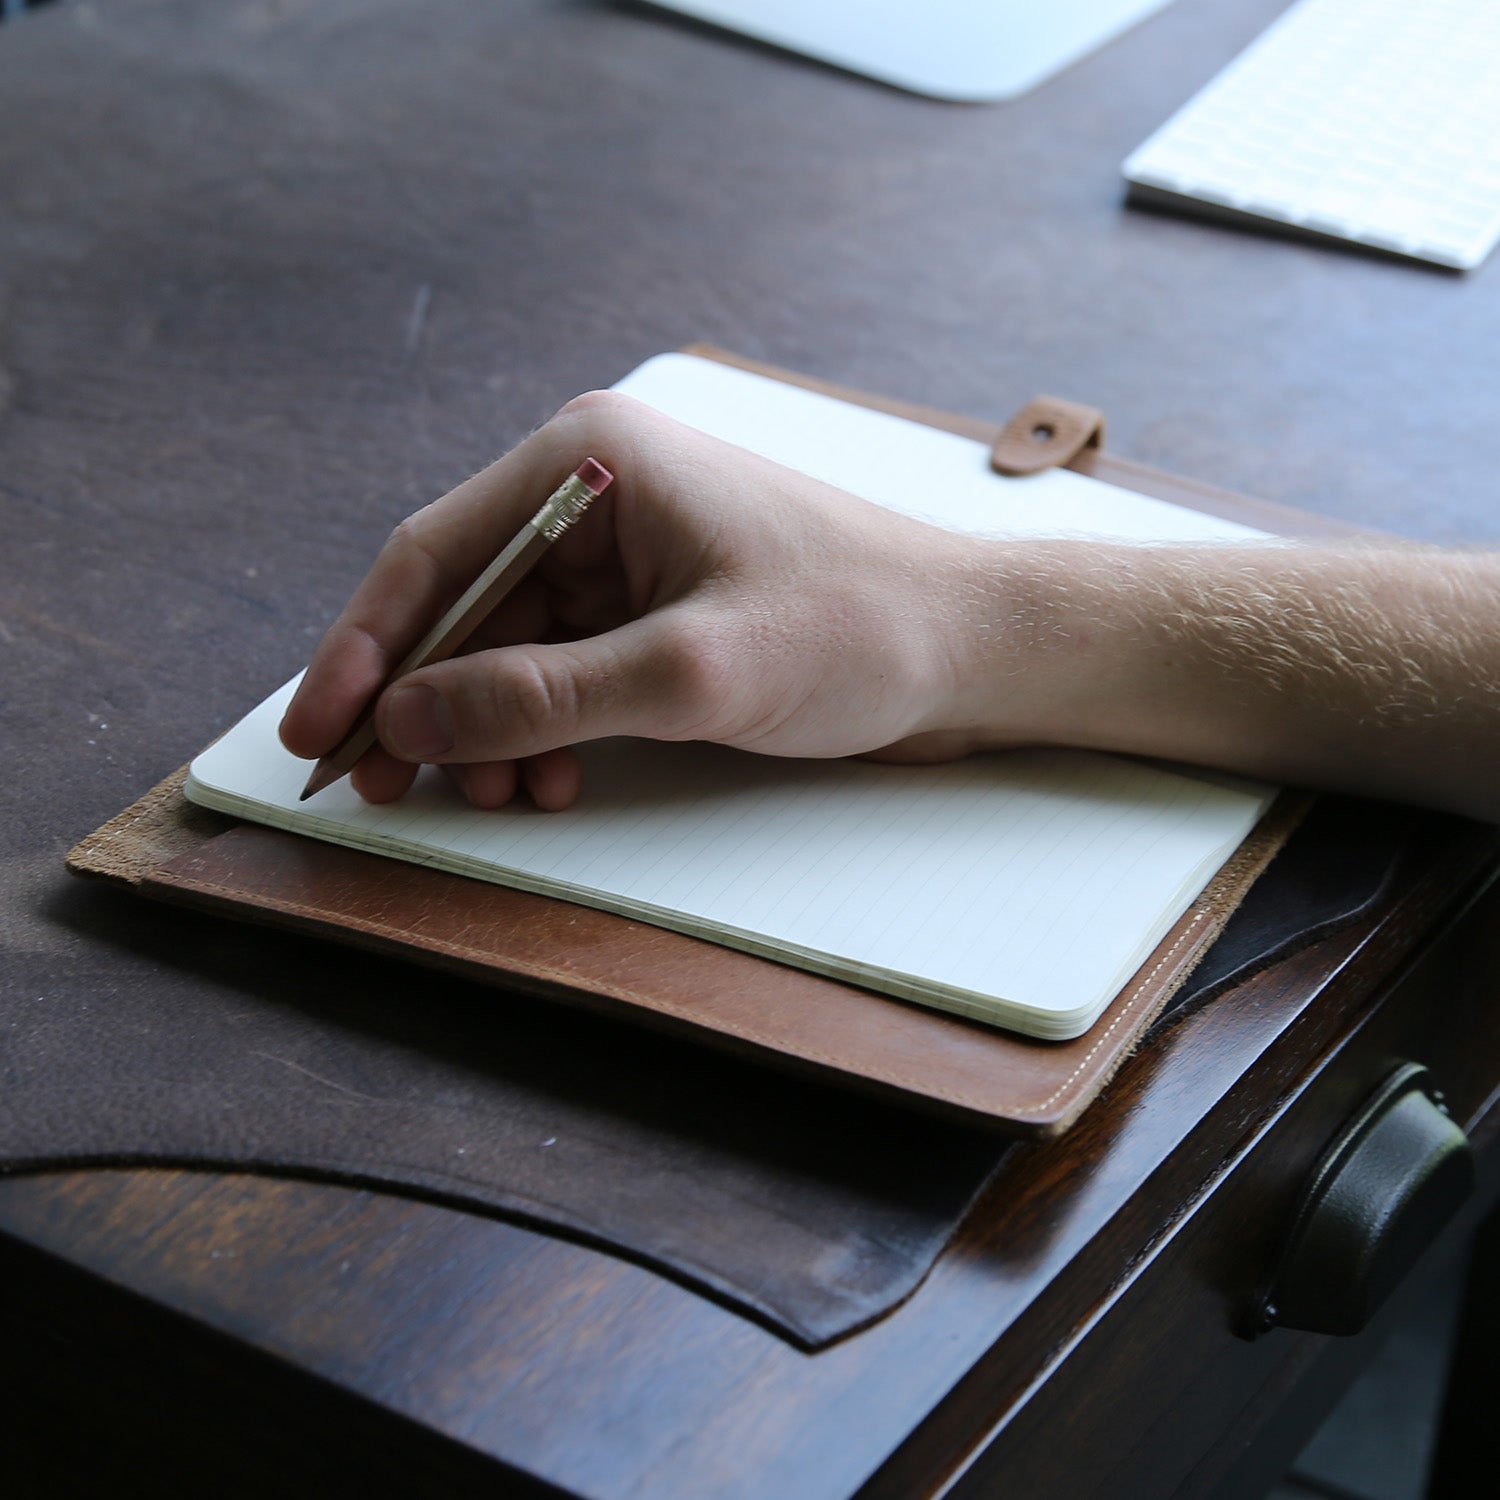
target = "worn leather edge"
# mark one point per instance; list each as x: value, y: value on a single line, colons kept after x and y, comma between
x: 153, y: 830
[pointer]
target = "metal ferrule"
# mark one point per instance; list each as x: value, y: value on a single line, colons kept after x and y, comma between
x: 563, y: 507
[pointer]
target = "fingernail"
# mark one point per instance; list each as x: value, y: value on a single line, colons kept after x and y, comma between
x: 417, y: 724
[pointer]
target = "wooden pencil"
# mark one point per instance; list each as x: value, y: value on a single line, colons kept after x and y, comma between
x: 560, y: 510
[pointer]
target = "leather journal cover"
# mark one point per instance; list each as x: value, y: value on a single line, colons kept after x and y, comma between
x: 165, y: 847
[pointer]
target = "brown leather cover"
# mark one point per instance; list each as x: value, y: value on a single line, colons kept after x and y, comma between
x: 772, y: 1012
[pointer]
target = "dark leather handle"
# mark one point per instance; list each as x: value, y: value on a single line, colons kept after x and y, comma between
x: 1391, y: 1180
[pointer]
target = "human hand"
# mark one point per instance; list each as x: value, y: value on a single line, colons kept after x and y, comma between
x: 708, y: 594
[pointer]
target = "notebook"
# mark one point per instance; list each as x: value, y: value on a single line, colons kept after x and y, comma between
x: 1021, y: 890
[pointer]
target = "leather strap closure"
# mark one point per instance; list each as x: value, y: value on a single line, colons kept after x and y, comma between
x: 1046, y: 433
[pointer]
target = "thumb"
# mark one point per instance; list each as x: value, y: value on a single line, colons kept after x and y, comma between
x: 647, y: 678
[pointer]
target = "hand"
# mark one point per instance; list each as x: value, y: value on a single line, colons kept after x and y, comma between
x: 708, y: 594
x: 711, y: 595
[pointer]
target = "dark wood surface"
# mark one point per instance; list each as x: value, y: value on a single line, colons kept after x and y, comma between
x: 272, y: 274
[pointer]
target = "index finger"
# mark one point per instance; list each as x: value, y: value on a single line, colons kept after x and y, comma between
x: 427, y: 562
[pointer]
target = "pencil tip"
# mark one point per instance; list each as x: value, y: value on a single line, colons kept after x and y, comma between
x: 323, y: 775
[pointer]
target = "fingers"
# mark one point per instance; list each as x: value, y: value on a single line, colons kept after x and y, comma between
x: 432, y: 556
x: 654, y: 676
x: 552, y: 780
x: 346, y: 670
x: 380, y: 777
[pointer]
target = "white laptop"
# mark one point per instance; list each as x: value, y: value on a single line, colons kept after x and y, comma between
x: 972, y: 51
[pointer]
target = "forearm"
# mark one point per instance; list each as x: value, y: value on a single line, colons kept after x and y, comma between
x: 1373, y: 669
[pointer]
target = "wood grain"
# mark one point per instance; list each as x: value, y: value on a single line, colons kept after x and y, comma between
x: 271, y: 276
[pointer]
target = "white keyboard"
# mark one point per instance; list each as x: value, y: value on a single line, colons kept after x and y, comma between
x: 1375, y: 121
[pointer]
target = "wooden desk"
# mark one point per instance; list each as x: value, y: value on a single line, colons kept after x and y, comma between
x: 273, y: 274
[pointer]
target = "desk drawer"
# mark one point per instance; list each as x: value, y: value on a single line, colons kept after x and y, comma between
x: 1159, y: 1393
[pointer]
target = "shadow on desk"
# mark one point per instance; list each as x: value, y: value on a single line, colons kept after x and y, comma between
x: 79, y: 1422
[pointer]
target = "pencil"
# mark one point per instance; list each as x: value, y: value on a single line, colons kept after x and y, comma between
x: 561, y: 509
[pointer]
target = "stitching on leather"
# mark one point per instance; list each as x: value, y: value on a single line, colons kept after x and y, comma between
x: 1126, y: 1010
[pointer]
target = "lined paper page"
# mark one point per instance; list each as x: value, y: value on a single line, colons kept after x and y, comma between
x: 1022, y: 888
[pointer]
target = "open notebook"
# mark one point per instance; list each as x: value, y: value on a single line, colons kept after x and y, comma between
x: 1020, y: 889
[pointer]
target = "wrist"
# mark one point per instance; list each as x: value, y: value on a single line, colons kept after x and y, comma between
x: 1040, y: 645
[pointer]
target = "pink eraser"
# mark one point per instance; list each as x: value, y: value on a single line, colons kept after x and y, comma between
x: 592, y: 473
